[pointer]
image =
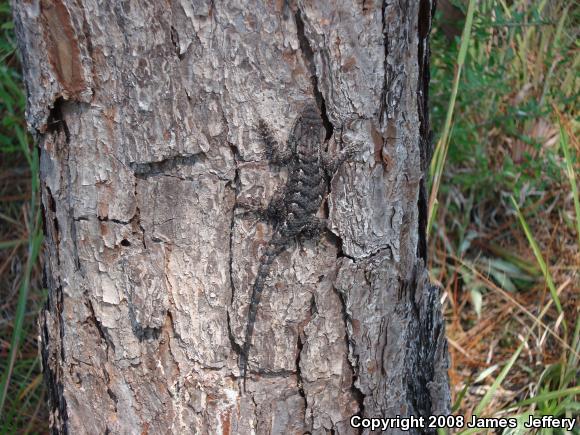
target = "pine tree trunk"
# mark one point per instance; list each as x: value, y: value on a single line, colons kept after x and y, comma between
x: 146, y: 116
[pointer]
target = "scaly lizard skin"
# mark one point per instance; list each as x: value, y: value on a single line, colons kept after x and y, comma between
x: 293, y: 210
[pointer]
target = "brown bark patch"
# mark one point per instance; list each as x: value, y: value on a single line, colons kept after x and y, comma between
x: 226, y: 423
x: 62, y: 46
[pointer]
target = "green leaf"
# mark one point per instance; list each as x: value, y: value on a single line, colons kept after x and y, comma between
x: 476, y: 300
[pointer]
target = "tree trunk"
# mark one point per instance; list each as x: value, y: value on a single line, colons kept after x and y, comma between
x: 146, y: 118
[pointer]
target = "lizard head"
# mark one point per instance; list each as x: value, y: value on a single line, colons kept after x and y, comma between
x: 309, y: 130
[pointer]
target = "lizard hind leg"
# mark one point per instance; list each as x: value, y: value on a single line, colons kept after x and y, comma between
x: 331, y: 162
x: 313, y: 230
x: 271, y: 213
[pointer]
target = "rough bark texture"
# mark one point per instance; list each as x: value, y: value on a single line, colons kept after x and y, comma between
x: 146, y: 115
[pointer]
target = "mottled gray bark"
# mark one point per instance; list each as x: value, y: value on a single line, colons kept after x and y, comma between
x: 145, y: 115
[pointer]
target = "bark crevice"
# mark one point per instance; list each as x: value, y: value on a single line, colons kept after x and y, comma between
x: 135, y: 221
x: 426, y: 10
x: 234, y: 184
x: 308, y: 56
x: 56, y: 122
x: 144, y: 171
x: 106, y: 339
x: 356, y: 392
x: 384, y: 91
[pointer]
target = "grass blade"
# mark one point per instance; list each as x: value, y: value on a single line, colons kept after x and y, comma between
x: 498, y: 381
x: 33, y: 251
x: 496, y: 384
x: 539, y: 259
x: 571, y: 177
x: 548, y: 396
x: 440, y: 153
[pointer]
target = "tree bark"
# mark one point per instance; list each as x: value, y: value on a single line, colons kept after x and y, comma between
x: 146, y: 116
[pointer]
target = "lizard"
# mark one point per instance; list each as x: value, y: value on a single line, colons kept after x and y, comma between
x: 293, y: 209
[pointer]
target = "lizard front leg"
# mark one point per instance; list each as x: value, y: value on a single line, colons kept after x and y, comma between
x: 331, y: 162
x: 276, y: 153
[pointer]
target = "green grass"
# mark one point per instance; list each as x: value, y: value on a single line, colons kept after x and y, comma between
x: 499, y: 97
x: 22, y: 409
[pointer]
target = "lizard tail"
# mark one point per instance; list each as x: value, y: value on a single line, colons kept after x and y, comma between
x: 273, y: 250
